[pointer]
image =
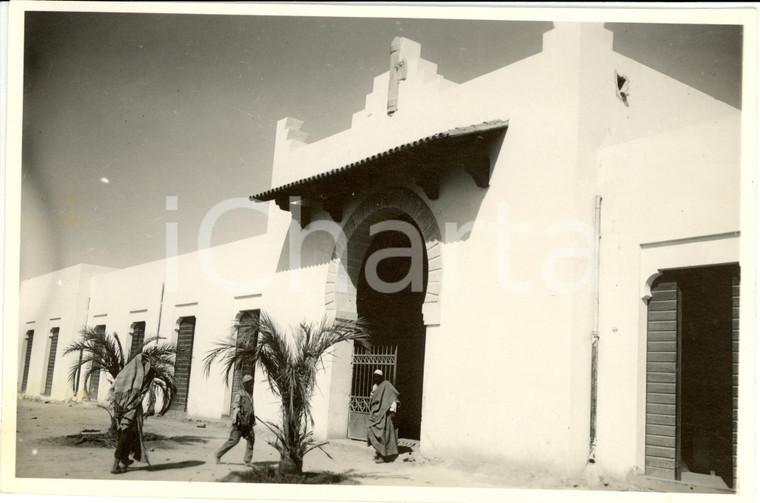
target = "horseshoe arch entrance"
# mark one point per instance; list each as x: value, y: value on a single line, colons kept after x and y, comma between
x: 397, y: 320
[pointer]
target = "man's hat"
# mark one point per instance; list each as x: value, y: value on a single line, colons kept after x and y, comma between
x: 379, y: 372
x: 247, y: 379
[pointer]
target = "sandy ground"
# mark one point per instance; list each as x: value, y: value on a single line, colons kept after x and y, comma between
x: 189, y: 456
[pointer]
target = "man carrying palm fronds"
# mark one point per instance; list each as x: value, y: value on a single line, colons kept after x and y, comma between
x: 129, y: 389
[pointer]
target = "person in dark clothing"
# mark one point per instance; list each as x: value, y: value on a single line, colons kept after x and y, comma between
x: 381, y: 428
x: 244, y: 420
x: 129, y: 389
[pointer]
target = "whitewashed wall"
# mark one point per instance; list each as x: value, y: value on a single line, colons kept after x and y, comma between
x: 505, y: 306
x: 507, y: 369
x: 677, y: 185
x: 55, y: 300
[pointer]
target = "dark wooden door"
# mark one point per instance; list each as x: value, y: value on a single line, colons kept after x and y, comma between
x: 183, y: 362
x: 692, y: 374
x: 661, y: 457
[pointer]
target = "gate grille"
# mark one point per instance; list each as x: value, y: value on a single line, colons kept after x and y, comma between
x: 364, y: 363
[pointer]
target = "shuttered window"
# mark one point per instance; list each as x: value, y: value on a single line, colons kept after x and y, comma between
x: 138, y: 337
x: 247, y: 368
x: 51, y: 362
x: 94, y: 383
x: 735, y: 364
x: 27, y: 359
x: 183, y: 362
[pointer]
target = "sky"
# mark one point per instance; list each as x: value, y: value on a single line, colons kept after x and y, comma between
x: 122, y: 110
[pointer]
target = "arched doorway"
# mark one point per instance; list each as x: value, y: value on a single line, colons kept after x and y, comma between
x: 396, y: 327
x: 399, y: 319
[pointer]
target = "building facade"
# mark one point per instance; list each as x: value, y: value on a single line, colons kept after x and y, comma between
x: 572, y: 289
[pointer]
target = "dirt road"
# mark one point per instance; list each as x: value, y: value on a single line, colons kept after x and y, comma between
x: 185, y: 451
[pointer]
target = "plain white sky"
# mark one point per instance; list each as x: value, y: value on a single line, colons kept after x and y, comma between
x: 123, y: 110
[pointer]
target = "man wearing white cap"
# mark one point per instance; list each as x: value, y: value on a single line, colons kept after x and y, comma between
x: 381, y: 428
x: 244, y: 420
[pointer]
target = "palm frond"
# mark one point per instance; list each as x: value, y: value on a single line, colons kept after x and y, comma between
x: 291, y: 362
x: 72, y: 377
x: 119, y: 354
x: 224, y: 350
x: 150, y: 340
x: 89, y: 373
x: 76, y: 368
x: 75, y: 346
x: 318, y: 446
x: 98, y: 350
x: 161, y: 355
x: 236, y: 349
x: 167, y: 386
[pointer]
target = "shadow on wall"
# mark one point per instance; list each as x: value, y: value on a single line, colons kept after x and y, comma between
x: 463, y: 193
x: 314, y: 249
x: 460, y: 197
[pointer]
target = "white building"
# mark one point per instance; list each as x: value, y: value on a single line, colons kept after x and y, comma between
x: 508, y: 353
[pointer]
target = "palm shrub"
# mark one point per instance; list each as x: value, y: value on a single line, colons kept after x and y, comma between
x: 291, y: 361
x: 100, y: 351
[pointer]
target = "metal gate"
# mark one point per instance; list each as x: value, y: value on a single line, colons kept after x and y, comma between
x: 363, y: 364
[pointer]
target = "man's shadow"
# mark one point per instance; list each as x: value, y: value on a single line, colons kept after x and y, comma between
x: 169, y: 466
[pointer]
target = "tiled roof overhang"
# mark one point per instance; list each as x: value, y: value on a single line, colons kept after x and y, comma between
x: 421, y: 161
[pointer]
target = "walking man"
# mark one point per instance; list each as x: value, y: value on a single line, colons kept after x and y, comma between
x: 243, y: 422
x: 381, y: 428
x: 129, y: 389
